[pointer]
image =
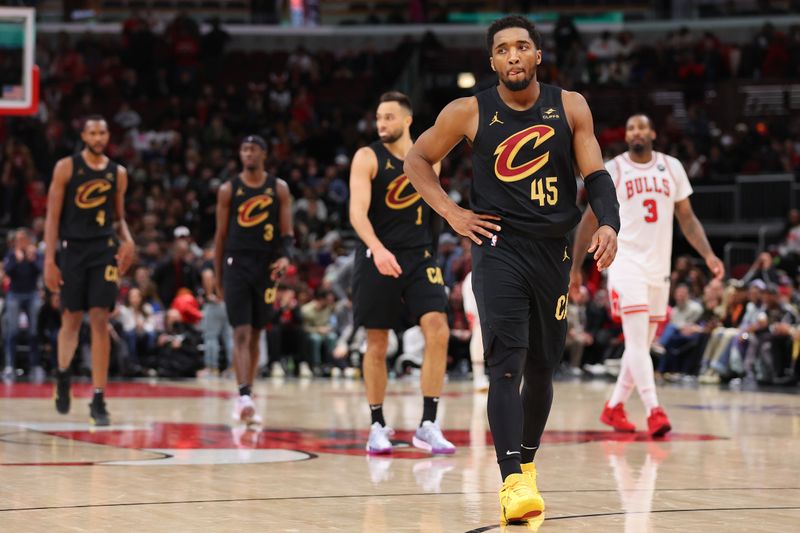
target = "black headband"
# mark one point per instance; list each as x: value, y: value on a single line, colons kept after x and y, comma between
x: 258, y: 140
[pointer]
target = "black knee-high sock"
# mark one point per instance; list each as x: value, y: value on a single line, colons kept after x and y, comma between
x: 537, y: 398
x: 505, y: 406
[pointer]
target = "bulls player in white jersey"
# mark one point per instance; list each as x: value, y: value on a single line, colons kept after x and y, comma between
x: 651, y: 188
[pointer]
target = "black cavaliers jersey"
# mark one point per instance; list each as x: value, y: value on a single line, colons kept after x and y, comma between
x: 398, y: 215
x: 254, y: 223
x: 88, y: 210
x: 523, y: 165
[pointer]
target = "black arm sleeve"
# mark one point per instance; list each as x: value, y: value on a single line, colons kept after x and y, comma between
x: 287, y: 247
x: 603, y: 198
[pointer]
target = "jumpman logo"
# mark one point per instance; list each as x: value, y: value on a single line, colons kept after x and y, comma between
x: 496, y: 120
x: 389, y: 165
x: 566, y: 256
x: 239, y: 192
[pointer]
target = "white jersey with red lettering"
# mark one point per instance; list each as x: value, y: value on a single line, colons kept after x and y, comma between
x: 647, y: 194
x: 639, y: 276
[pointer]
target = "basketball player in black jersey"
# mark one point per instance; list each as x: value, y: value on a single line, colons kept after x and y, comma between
x: 395, y: 271
x: 527, y: 137
x: 86, y: 199
x: 252, y: 248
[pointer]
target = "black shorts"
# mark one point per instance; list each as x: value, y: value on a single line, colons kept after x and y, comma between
x: 249, y: 290
x: 521, y: 289
x: 90, y: 274
x: 383, y: 302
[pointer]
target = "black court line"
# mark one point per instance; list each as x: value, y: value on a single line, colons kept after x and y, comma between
x: 236, y: 500
x: 347, y: 496
x: 622, y: 513
x: 4, y: 439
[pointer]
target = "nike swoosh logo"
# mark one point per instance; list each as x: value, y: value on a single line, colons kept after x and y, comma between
x: 511, y: 453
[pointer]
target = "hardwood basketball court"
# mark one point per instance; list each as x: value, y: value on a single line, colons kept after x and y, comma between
x: 174, y: 461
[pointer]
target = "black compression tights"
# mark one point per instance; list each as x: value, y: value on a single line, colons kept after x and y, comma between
x: 507, y: 407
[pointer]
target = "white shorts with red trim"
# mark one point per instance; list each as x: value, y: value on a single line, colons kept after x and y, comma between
x: 630, y: 295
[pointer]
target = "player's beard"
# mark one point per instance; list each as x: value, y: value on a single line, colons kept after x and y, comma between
x: 391, y: 137
x: 638, y: 147
x: 520, y: 85
x: 97, y: 150
x: 251, y: 168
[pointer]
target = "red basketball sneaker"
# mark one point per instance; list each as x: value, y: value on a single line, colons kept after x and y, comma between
x: 616, y: 418
x: 657, y: 423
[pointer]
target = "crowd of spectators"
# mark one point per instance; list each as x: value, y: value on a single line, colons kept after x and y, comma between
x: 744, y: 329
x: 178, y: 102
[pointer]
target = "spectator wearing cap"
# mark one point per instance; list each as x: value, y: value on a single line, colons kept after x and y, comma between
x: 731, y: 361
x: 178, y: 270
x: 769, y: 354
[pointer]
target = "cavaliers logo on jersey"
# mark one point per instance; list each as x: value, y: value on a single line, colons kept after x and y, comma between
x: 507, y: 152
x: 395, y: 191
x: 254, y: 211
x: 92, y: 193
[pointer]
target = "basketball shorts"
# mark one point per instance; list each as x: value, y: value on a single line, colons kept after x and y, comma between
x: 630, y: 292
x: 90, y: 274
x: 384, y: 302
x: 249, y: 290
x: 521, y: 288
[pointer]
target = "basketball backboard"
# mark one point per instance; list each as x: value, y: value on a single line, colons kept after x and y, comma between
x: 18, y: 79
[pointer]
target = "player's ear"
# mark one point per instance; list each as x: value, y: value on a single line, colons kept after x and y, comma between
x: 491, y: 63
x: 538, y: 57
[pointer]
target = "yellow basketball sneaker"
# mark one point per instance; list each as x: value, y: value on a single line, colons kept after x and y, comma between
x: 518, y: 501
x: 529, y: 471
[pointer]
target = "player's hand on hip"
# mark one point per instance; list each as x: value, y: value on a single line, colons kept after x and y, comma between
x: 278, y: 268
x: 471, y: 224
x: 52, y: 277
x: 604, y: 247
x: 386, y: 263
x: 125, y: 255
x: 716, y: 266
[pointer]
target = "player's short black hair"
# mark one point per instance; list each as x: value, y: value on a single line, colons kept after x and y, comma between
x: 92, y: 118
x: 397, y: 96
x: 646, y: 117
x: 513, y: 21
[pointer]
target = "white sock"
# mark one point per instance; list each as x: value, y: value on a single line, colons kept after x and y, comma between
x: 624, y: 386
x: 637, y: 367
